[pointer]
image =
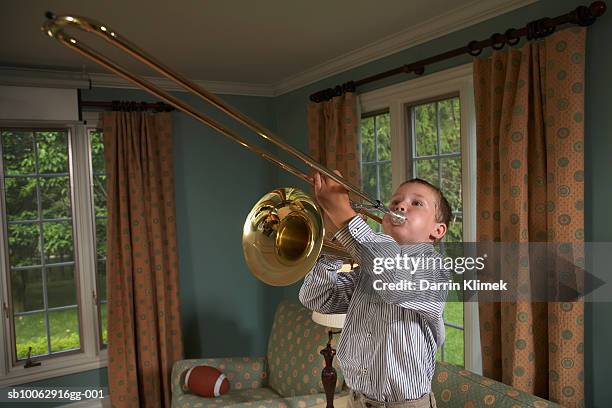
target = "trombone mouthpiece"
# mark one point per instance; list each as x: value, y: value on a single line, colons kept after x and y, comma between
x: 397, y: 218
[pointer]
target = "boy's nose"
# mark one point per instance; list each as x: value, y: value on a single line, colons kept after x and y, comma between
x: 398, y: 208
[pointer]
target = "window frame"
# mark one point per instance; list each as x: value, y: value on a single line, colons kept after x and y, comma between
x: 396, y: 98
x: 91, y: 355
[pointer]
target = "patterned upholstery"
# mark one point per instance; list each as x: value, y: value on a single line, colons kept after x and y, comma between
x: 250, y: 377
x: 294, y: 357
x: 455, y: 387
x: 248, y: 381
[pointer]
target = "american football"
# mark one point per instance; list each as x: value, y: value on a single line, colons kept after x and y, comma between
x: 206, y: 381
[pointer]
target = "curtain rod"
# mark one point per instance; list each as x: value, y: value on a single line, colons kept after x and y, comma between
x: 127, y: 105
x: 581, y: 15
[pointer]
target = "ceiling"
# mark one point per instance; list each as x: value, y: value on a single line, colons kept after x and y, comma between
x: 256, y: 42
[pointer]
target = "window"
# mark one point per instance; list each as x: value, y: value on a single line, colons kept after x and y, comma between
x: 434, y: 138
x: 431, y: 127
x: 52, y: 204
x: 375, y: 149
x: 39, y: 228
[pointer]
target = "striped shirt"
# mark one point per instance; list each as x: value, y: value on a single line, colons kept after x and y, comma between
x: 390, y: 337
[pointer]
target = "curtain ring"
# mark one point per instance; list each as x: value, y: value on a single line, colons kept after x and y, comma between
x: 473, y: 48
x: 510, y: 37
x: 498, y: 41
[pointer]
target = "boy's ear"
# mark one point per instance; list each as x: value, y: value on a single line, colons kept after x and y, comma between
x: 439, y: 231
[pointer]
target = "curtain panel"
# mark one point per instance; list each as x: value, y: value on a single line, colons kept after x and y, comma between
x: 144, y: 329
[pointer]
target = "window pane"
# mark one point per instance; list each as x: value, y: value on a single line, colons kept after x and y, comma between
x: 455, y: 229
x: 58, y: 242
x: 64, y: 329
x: 450, y: 171
x: 367, y: 140
x: 385, y: 183
x: 24, y: 244
x: 425, y: 128
x: 52, y: 148
x: 450, y: 125
x: 427, y: 170
x: 21, y: 201
x: 61, y: 286
x: 26, y: 290
x: 453, y: 346
x: 18, y: 152
x: 31, y: 331
x: 104, y: 323
x: 101, y: 237
x: 102, y: 280
x: 453, y: 310
x: 384, y: 137
x: 97, y: 151
x: 99, y: 191
x: 55, y: 196
x: 369, y: 180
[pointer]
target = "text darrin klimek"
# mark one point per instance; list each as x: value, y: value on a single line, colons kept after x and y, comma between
x: 423, y: 284
x: 411, y: 263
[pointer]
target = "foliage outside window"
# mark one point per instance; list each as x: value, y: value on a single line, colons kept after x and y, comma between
x: 435, y: 142
x: 39, y: 227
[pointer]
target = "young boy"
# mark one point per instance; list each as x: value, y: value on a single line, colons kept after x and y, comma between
x: 390, y: 337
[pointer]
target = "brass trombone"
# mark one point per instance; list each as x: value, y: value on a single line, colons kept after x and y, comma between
x: 283, y: 234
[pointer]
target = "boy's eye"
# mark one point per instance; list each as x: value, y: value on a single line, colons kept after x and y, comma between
x: 419, y: 203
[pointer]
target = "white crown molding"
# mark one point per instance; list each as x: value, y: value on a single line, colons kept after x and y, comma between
x: 42, y: 78
x: 217, y: 87
x: 451, y: 21
x: 68, y: 79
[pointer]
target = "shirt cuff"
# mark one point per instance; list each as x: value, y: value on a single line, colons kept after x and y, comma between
x: 353, y: 232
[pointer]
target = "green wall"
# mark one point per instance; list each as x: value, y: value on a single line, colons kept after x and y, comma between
x: 291, y: 112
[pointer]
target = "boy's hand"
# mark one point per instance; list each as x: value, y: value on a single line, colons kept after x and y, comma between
x: 333, y: 199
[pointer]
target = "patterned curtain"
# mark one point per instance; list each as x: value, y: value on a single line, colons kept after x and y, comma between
x: 333, y: 137
x: 530, y: 132
x: 144, y: 331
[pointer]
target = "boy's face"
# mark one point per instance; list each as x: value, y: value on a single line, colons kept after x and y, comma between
x: 417, y: 202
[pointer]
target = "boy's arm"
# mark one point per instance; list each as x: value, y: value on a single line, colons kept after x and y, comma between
x: 365, y: 246
x: 324, y: 290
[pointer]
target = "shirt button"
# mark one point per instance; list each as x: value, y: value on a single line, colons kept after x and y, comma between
x: 368, y: 335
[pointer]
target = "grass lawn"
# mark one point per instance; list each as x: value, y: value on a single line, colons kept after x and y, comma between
x: 453, y: 346
x: 30, y: 331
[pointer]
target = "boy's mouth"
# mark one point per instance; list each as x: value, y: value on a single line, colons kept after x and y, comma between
x: 397, y: 218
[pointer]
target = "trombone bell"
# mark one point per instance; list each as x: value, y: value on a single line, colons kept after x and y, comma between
x: 283, y: 236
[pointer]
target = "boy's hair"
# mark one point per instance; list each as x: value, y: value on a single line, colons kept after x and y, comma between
x: 444, y: 212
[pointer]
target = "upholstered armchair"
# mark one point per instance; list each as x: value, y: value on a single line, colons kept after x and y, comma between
x: 288, y: 376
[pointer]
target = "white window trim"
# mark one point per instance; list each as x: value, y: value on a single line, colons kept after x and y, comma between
x: 92, y: 356
x: 395, y: 98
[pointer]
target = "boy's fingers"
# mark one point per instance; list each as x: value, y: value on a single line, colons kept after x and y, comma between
x: 317, y: 182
